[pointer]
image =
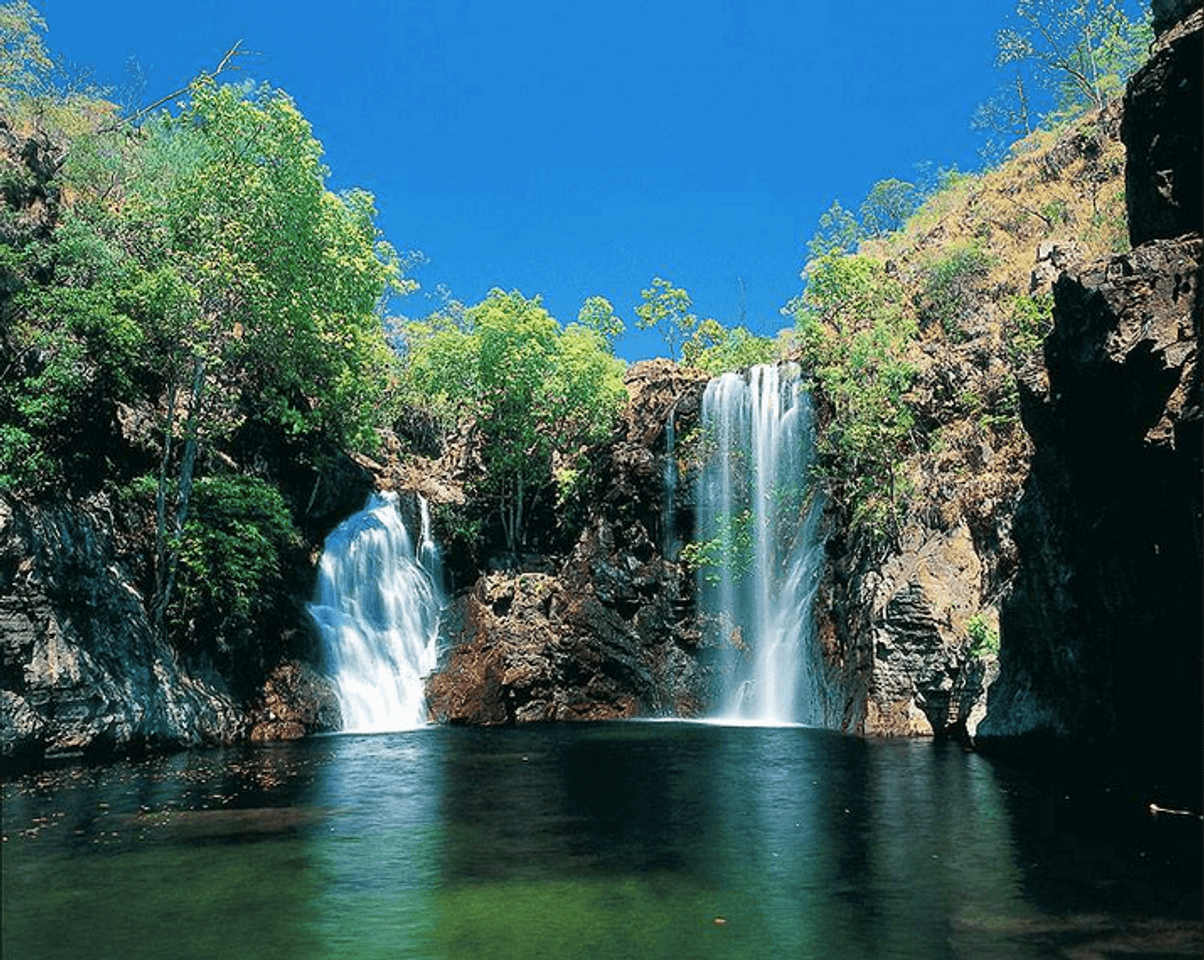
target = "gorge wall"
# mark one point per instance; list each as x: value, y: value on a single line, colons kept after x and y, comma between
x: 1078, y: 539
x: 606, y: 631
x: 1102, y: 627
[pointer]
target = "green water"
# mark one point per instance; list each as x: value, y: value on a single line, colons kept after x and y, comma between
x: 598, y: 841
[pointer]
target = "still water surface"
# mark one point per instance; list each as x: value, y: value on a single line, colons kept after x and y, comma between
x: 596, y: 841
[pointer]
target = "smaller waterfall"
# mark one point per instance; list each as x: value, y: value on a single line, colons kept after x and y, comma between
x: 377, y: 606
x: 670, y: 546
x: 760, y: 528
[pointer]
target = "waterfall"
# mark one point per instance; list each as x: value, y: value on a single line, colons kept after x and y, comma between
x: 377, y: 606
x: 757, y: 533
x: 670, y: 545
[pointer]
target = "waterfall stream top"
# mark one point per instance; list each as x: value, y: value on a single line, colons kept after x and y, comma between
x: 377, y: 606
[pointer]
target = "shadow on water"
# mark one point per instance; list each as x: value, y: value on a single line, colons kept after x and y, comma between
x: 611, y: 840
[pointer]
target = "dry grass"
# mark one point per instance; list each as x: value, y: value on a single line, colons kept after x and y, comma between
x: 1062, y: 189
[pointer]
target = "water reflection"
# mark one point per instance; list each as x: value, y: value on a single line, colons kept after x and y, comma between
x: 618, y: 840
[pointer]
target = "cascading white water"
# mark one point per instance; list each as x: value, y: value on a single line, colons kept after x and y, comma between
x: 670, y: 545
x: 378, y: 606
x: 759, y: 528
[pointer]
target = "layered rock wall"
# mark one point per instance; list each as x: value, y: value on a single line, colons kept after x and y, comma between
x: 82, y: 669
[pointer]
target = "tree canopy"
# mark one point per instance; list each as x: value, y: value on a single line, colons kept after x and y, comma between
x: 537, y: 394
x: 195, y: 266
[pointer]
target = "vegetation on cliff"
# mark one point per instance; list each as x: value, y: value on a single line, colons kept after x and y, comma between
x: 171, y: 286
x: 536, y: 394
x: 922, y: 310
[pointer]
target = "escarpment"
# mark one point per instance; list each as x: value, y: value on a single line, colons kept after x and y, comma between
x: 1102, y: 628
x: 1043, y: 581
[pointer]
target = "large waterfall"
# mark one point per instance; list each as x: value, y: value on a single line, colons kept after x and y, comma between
x: 759, y: 551
x: 378, y: 606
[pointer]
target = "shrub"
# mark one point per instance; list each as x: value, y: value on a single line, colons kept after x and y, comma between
x: 984, y: 639
x: 951, y: 284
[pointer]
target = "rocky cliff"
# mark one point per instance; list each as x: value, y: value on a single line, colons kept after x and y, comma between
x: 1077, y: 538
x: 1102, y: 627
x: 83, y: 670
x: 605, y: 631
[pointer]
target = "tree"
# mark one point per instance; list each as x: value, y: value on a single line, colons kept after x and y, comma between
x: 718, y: 349
x: 536, y: 394
x: 839, y: 232
x: 597, y: 314
x: 887, y: 206
x: 1079, y: 52
x: 24, y: 61
x: 666, y: 308
x: 260, y: 291
x: 854, y: 334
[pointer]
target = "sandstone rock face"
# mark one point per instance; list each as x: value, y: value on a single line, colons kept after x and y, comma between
x: 608, y: 633
x: 1102, y: 628
x: 1164, y: 176
x: 81, y: 668
x: 296, y: 702
x: 895, y: 638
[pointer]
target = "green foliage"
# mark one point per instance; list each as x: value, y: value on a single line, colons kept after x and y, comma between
x: 199, y: 267
x: 1062, y: 57
x: 730, y: 551
x: 951, y: 283
x: 70, y: 349
x: 536, y: 393
x: 666, y: 308
x: 854, y: 334
x: 984, y: 639
x: 598, y: 315
x: 277, y: 279
x: 718, y: 349
x: 1030, y: 321
x: 887, y: 206
x: 236, y: 536
x: 838, y: 233
x: 24, y: 60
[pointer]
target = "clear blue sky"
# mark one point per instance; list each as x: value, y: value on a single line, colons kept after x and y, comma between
x: 567, y: 147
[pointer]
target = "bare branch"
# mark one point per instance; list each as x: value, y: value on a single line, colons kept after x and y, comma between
x: 227, y: 64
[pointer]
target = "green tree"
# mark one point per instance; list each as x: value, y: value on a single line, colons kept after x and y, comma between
x: 259, y: 288
x: 537, y: 395
x: 1078, y: 52
x: 24, y: 60
x: 839, y: 232
x: 888, y: 205
x: 854, y: 333
x: 666, y: 308
x: 718, y: 349
x: 597, y: 314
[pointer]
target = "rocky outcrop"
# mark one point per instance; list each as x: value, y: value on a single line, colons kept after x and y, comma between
x: 296, y: 701
x: 1163, y: 106
x: 1102, y: 629
x: 607, y: 633
x: 895, y: 636
x: 81, y: 668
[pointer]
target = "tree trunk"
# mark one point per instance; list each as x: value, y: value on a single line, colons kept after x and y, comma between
x: 184, y: 492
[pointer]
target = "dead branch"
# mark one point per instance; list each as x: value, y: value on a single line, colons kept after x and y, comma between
x: 228, y: 64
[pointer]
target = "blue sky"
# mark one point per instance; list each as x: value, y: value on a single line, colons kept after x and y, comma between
x: 575, y: 148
